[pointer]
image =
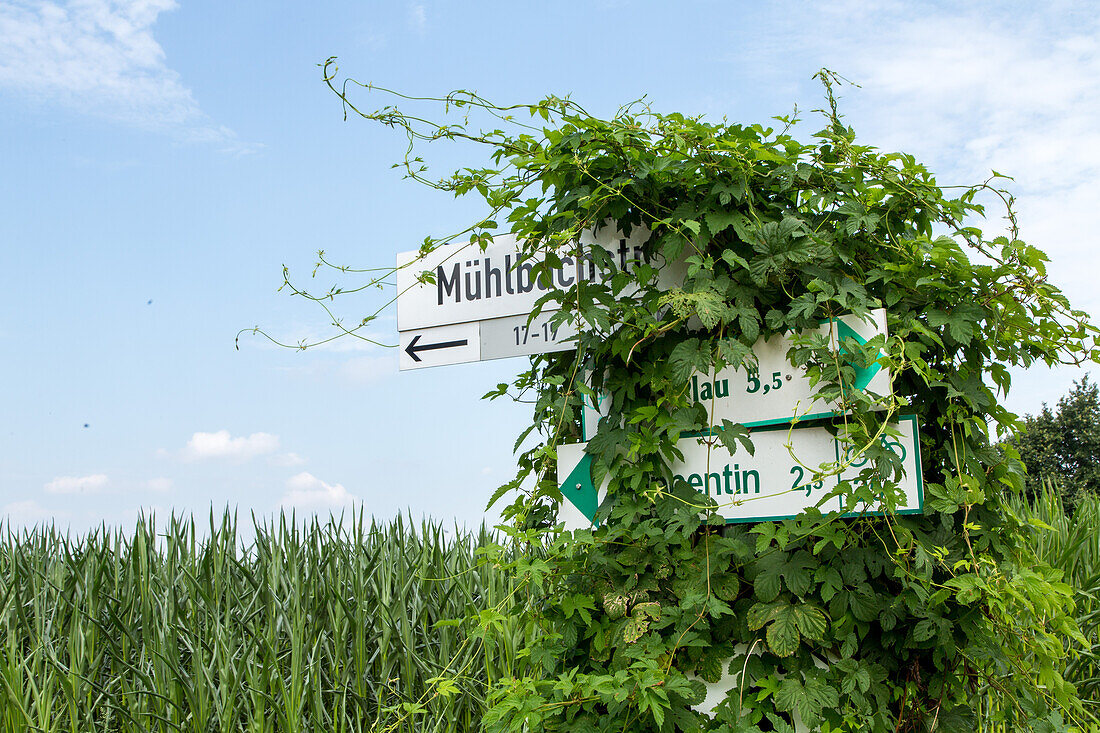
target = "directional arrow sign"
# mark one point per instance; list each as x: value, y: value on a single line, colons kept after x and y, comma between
x: 453, y: 344
x: 581, y: 497
x: 488, y: 296
x: 415, y: 346
x: 776, y: 392
x: 845, y: 331
x: 777, y: 482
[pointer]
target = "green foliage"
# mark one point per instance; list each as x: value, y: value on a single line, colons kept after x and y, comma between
x: 943, y: 621
x: 1070, y: 543
x: 303, y: 628
x: 1064, y: 446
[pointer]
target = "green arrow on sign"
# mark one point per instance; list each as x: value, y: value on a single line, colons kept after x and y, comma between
x: 864, y: 375
x: 578, y: 489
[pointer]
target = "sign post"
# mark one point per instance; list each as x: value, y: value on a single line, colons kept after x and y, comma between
x: 477, y: 305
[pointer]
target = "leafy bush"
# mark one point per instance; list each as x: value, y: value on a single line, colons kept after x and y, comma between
x: 943, y: 621
x: 1071, y: 544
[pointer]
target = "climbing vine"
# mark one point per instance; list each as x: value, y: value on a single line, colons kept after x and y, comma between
x: 942, y: 620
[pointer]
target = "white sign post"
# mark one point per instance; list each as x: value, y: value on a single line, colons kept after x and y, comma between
x: 775, y: 392
x: 777, y: 482
x: 480, y: 303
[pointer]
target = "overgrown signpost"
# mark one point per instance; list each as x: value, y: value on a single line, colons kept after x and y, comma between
x: 890, y: 588
x: 475, y: 301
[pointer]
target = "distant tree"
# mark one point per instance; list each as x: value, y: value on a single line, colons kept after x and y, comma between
x: 1064, y: 446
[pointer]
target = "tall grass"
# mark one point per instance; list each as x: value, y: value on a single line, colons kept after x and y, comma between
x: 1070, y: 542
x: 312, y: 627
x: 315, y: 627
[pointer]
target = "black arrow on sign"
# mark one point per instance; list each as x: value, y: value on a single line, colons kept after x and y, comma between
x: 412, y: 348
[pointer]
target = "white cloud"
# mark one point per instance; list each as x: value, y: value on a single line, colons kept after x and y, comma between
x: 307, y: 493
x: 24, y: 513
x: 222, y: 445
x: 418, y: 17
x: 967, y: 89
x: 983, y: 90
x: 91, y: 484
x: 287, y: 459
x: 159, y: 484
x: 100, y: 56
x: 991, y: 94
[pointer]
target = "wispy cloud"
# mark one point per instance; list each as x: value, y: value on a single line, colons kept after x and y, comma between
x: 76, y: 484
x: 968, y: 89
x: 100, y: 57
x: 418, y: 17
x: 159, y: 484
x: 287, y: 459
x: 307, y: 493
x: 25, y: 513
x: 997, y: 89
x: 1022, y: 99
x: 223, y: 445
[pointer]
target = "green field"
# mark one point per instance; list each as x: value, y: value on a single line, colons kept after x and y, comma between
x: 184, y: 628
x: 315, y: 627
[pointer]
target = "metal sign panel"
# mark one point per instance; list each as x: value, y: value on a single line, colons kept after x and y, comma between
x: 473, y: 284
x: 495, y: 338
x: 777, y: 482
x: 776, y: 392
x: 491, y: 294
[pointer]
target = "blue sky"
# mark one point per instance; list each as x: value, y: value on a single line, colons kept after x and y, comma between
x: 162, y: 160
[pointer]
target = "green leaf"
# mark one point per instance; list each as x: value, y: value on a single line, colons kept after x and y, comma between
x: 808, y: 699
x: 761, y: 613
x: 798, y: 572
x: 768, y: 581
x: 811, y: 621
x: 725, y: 586
x: 783, y: 635
x: 689, y: 357
x: 717, y: 221
x: 924, y: 630
x: 733, y: 436
x: 735, y: 260
x: 864, y: 604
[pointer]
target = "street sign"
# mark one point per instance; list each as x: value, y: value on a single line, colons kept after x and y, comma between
x: 479, y: 305
x: 776, y: 392
x: 495, y: 338
x: 777, y: 482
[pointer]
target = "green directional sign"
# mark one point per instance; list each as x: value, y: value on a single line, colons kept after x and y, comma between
x: 577, y: 487
x: 776, y: 392
x: 865, y: 374
x: 781, y: 479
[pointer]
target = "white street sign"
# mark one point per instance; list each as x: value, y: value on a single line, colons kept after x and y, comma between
x: 495, y: 338
x: 488, y: 293
x: 777, y: 482
x: 776, y: 392
x: 457, y: 343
